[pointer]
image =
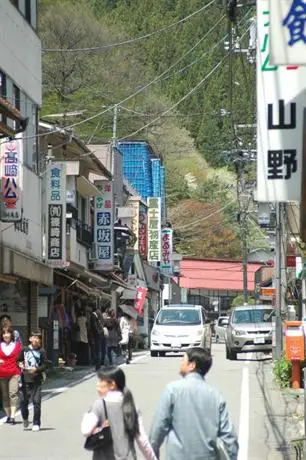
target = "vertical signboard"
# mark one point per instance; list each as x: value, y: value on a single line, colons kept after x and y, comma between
x: 11, y: 179
x: 56, y: 214
x: 134, y: 205
x: 140, y: 299
x: 143, y: 231
x: 281, y: 98
x: 166, y: 250
x: 104, y: 226
x: 287, y: 31
x: 154, y: 230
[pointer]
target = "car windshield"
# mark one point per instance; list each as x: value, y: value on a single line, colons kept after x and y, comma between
x: 252, y: 316
x: 179, y: 317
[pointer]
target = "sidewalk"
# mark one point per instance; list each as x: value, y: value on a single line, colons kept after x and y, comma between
x: 284, y: 414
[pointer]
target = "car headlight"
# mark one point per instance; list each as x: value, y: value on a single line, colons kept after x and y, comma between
x: 155, y: 332
x: 238, y: 332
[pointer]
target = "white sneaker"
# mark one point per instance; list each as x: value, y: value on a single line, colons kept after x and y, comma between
x: 35, y: 428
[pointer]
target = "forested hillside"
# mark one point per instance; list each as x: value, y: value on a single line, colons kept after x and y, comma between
x: 181, y: 79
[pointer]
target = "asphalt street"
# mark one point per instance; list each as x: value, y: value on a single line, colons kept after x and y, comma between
x: 246, y: 384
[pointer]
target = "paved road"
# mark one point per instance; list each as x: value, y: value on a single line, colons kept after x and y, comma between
x: 246, y: 384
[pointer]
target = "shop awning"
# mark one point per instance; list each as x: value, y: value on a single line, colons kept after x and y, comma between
x: 129, y: 294
x: 90, y: 291
x: 86, y: 188
x: 131, y: 311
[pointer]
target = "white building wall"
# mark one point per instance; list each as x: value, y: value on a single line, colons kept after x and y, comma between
x: 20, y: 51
x: 31, y: 243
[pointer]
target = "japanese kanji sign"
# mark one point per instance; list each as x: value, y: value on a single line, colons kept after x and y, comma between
x: 288, y: 32
x: 11, y: 154
x: 143, y: 231
x: 154, y: 230
x: 166, y: 248
x: 104, y: 226
x: 140, y: 299
x: 281, y: 98
x: 56, y: 214
x: 133, y: 203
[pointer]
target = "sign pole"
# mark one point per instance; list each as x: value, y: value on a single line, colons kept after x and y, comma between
x: 278, y: 283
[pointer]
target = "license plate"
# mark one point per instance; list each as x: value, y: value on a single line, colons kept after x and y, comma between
x: 176, y: 345
x: 259, y: 340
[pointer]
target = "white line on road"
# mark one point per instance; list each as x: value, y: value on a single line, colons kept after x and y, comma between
x: 244, y: 416
x: 50, y: 392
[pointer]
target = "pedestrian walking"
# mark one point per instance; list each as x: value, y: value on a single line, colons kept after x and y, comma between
x: 193, y: 415
x: 97, y: 331
x: 6, y: 321
x: 127, y: 327
x: 9, y: 372
x: 33, y: 363
x: 82, y: 338
x: 115, y: 410
x: 114, y: 335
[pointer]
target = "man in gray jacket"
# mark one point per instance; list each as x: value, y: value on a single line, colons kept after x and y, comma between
x: 193, y: 415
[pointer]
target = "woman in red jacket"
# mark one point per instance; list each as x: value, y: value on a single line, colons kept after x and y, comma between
x: 9, y: 372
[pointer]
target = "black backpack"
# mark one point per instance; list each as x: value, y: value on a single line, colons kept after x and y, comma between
x: 99, y: 323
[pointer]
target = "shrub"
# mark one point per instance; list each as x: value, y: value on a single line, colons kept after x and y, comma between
x: 282, y: 369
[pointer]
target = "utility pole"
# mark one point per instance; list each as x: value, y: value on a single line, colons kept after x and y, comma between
x: 114, y: 139
x: 277, y: 349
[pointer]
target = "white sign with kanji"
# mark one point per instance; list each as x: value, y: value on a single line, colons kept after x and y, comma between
x: 166, y: 243
x: 154, y: 230
x: 288, y: 32
x: 281, y: 98
x: 104, y: 226
x: 56, y: 215
x: 11, y: 157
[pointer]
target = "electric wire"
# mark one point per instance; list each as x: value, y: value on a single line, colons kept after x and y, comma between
x: 129, y: 41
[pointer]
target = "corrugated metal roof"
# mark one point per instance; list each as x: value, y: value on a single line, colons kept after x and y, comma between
x: 212, y: 274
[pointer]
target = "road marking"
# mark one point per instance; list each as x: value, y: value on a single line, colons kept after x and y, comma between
x: 52, y: 392
x: 243, y: 437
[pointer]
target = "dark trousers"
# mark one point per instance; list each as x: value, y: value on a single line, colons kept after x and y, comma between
x: 100, y: 351
x: 128, y: 349
x: 31, y: 392
x: 109, y: 354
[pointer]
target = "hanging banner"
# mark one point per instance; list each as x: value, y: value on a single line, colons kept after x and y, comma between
x: 133, y: 203
x: 140, y: 300
x: 166, y: 248
x: 143, y: 232
x: 11, y: 153
x: 281, y: 97
x: 287, y: 32
x: 56, y: 215
x: 154, y: 230
x: 104, y: 226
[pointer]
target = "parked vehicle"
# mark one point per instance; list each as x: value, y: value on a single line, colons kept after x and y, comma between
x: 220, y: 328
x: 179, y: 327
x: 249, y: 330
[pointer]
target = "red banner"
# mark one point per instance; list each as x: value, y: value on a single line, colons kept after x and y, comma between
x: 140, y: 300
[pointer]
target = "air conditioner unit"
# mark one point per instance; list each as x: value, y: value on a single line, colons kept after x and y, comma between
x: 93, y: 253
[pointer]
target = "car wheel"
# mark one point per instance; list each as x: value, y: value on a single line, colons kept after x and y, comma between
x: 230, y: 354
x: 162, y: 354
x: 154, y: 354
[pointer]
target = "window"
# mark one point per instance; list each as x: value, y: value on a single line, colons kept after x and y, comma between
x: 179, y: 317
x: 2, y: 84
x: 27, y: 14
x: 252, y: 316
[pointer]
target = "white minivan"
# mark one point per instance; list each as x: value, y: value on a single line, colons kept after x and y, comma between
x: 179, y: 327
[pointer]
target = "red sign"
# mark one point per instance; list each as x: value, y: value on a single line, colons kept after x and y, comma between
x: 140, y: 300
x: 142, y: 237
x: 291, y: 261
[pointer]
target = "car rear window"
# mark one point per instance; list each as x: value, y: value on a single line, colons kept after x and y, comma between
x: 178, y: 317
x: 252, y: 316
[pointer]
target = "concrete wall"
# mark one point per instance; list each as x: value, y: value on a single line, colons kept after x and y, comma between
x: 20, y: 51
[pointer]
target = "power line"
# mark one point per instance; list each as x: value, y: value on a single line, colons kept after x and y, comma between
x: 130, y: 41
x: 216, y: 67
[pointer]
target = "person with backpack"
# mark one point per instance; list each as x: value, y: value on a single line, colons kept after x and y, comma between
x: 116, y: 414
x: 33, y: 363
x: 98, y: 334
x: 114, y: 335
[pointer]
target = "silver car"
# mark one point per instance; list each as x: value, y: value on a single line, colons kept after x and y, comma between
x: 249, y: 330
